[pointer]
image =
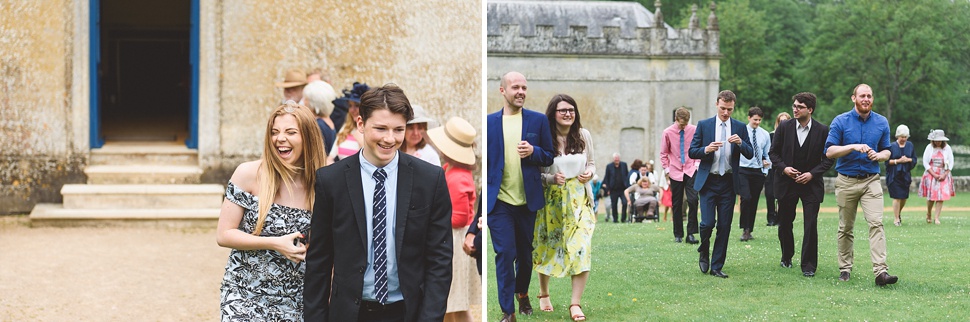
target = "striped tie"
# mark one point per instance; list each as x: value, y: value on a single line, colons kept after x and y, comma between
x: 380, y: 240
x: 723, y: 158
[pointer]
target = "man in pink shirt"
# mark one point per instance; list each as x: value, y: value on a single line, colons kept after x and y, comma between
x: 680, y: 167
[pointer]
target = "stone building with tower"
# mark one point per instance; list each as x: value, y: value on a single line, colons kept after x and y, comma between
x: 143, y: 109
x: 626, y: 68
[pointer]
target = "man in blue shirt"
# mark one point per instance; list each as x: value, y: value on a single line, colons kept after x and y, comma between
x: 859, y: 138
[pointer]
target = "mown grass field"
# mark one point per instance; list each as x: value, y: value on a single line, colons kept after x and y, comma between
x: 640, y: 274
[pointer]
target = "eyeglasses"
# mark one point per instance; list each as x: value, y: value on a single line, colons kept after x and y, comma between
x: 566, y: 111
x: 798, y: 107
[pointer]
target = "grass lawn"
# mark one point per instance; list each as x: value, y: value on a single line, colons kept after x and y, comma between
x: 640, y: 274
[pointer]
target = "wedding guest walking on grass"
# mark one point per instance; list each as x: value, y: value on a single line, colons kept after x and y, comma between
x: 937, y: 183
x: 902, y: 160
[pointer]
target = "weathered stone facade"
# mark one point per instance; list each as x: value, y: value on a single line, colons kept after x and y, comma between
x: 432, y: 49
x: 627, y: 70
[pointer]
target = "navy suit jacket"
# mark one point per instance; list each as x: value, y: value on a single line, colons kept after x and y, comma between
x: 703, y: 136
x: 337, y: 255
x: 535, y: 130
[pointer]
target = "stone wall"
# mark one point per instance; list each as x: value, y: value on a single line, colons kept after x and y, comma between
x: 432, y: 49
x: 39, y: 149
x: 627, y: 70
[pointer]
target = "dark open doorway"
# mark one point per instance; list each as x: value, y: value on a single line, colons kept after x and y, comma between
x: 145, y: 74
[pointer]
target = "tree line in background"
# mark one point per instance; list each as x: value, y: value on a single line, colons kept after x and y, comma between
x: 914, y: 53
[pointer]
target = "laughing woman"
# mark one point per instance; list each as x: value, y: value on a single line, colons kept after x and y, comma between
x: 564, y: 227
x: 265, y: 218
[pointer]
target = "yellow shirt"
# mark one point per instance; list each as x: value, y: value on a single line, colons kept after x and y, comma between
x: 512, y: 190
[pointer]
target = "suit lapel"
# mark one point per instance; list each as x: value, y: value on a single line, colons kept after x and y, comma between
x: 405, y: 180
x: 355, y: 189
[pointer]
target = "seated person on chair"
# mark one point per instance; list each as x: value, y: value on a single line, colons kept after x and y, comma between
x: 647, y: 197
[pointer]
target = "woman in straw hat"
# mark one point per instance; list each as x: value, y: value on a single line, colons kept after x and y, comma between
x: 456, y: 141
x: 902, y: 160
x: 564, y: 227
x: 414, y: 142
x: 937, y: 184
x: 264, y: 218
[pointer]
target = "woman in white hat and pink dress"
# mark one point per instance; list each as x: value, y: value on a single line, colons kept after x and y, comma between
x: 937, y: 183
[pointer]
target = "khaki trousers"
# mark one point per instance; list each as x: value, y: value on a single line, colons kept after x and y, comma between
x: 851, y: 193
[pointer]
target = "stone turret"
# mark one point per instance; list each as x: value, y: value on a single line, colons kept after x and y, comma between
x: 589, y: 27
x: 712, y: 19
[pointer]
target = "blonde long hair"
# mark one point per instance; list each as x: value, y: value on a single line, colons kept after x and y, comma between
x: 349, y: 125
x: 273, y: 170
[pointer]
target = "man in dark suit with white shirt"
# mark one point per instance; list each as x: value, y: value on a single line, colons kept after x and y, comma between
x: 799, y: 161
x: 380, y: 241
x: 719, y: 143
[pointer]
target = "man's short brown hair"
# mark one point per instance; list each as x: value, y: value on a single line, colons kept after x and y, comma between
x: 389, y: 97
x: 726, y: 96
x: 682, y: 113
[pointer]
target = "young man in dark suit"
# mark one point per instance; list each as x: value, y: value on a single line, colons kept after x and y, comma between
x: 380, y: 241
x: 719, y: 143
x: 799, y: 162
x: 519, y: 144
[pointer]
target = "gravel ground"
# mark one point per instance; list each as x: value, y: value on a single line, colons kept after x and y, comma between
x: 110, y: 273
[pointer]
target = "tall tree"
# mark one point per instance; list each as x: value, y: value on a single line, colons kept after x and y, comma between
x: 747, y: 64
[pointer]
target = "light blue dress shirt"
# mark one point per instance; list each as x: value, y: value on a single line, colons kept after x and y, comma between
x: 760, y: 151
x: 390, y: 188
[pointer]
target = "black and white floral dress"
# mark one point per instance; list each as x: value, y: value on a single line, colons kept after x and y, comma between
x: 262, y: 285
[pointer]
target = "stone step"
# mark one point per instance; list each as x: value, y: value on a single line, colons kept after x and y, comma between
x: 142, y: 196
x: 143, y: 174
x: 145, y: 153
x: 46, y: 215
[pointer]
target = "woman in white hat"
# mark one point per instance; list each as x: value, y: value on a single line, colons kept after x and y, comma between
x: 414, y: 142
x: 937, y: 184
x: 564, y: 227
x: 902, y: 160
x: 456, y: 142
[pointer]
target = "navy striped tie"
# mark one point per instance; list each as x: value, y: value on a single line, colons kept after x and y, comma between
x: 380, y: 239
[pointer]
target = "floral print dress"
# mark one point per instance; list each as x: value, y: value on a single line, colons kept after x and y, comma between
x: 262, y: 285
x: 931, y: 188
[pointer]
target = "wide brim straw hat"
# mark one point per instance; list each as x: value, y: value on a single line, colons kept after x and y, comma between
x: 293, y: 78
x: 420, y: 116
x: 937, y: 135
x: 455, y: 140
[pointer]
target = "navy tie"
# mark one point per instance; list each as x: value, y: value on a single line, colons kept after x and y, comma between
x: 754, y: 142
x: 380, y: 239
x: 683, y: 159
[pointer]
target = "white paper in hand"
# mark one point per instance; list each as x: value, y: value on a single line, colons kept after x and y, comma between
x: 571, y: 165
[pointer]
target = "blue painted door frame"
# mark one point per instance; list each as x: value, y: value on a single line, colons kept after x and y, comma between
x: 96, y: 138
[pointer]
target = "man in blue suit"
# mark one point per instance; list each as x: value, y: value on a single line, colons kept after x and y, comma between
x: 519, y: 144
x: 719, y: 143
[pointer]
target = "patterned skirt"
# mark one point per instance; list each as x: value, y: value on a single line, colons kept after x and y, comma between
x: 564, y: 231
x: 933, y: 189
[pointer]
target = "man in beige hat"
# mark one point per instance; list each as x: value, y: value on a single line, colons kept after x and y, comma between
x: 292, y: 85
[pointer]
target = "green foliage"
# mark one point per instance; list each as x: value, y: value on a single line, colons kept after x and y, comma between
x: 639, y: 274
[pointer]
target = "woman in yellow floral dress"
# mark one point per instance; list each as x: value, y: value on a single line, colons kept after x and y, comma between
x: 564, y: 227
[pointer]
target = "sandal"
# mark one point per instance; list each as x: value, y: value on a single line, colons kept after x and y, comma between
x: 542, y: 307
x: 577, y: 317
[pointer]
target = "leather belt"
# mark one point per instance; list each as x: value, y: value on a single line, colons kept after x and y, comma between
x: 861, y: 176
x: 370, y: 306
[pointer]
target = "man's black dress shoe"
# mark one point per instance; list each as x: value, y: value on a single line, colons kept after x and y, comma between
x: 691, y: 239
x: 506, y: 317
x: 678, y: 239
x: 844, y: 276
x: 718, y: 273
x: 771, y: 223
x: 808, y: 274
x: 786, y: 264
x: 704, y: 262
x: 886, y: 279
x: 525, y: 307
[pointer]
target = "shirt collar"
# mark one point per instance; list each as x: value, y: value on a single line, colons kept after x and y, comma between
x: 369, y: 168
x: 806, y: 127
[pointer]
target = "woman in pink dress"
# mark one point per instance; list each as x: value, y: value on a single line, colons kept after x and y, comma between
x: 937, y: 183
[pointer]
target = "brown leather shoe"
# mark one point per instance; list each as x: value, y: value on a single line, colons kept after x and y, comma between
x: 885, y: 279
x: 844, y: 276
x: 525, y: 307
x: 507, y: 317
